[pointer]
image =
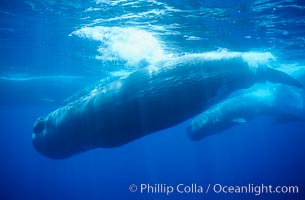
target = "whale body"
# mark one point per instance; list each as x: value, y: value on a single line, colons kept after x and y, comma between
x: 281, y: 102
x: 148, y: 100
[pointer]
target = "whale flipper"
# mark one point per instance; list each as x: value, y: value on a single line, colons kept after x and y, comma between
x: 239, y: 120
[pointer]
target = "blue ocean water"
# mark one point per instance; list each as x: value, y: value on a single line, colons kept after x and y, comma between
x: 51, y: 49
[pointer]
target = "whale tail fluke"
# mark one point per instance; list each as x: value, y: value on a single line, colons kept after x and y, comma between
x: 276, y: 76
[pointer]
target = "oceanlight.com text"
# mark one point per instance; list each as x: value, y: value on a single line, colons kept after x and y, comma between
x: 255, y: 189
x: 195, y: 188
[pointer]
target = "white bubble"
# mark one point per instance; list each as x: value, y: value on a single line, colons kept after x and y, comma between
x: 126, y: 43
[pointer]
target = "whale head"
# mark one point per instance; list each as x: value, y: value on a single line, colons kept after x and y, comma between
x: 39, y: 135
x: 209, y: 123
x: 53, y: 143
x: 198, y: 127
x: 43, y: 141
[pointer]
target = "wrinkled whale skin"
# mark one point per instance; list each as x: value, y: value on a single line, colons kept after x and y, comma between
x: 144, y: 102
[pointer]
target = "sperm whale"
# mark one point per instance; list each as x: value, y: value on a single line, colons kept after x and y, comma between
x: 148, y: 100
